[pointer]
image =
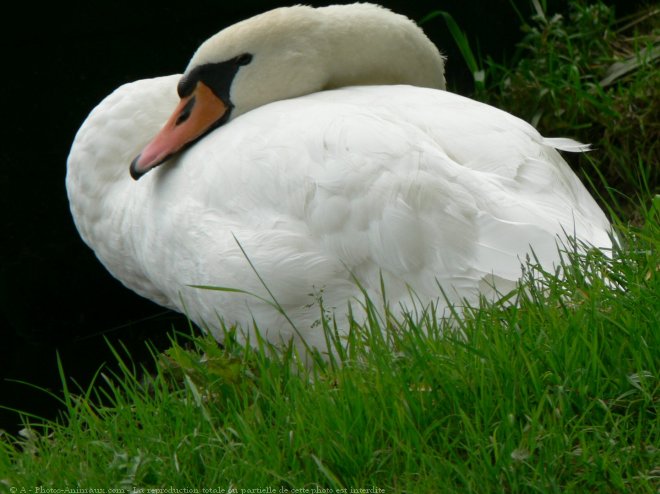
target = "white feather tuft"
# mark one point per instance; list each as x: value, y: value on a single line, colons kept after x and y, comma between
x: 566, y: 144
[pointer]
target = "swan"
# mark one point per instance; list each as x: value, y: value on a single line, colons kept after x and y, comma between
x: 307, y: 154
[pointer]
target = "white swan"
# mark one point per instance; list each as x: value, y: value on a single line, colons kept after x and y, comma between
x: 325, y: 150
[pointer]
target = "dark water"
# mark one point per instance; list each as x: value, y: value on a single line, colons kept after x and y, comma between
x: 60, y: 59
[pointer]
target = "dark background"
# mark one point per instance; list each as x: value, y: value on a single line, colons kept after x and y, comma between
x: 59, y: 61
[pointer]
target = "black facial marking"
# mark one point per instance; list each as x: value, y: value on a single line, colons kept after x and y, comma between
x: 243, y: 59
x: 217, y: 76
x: 185, y: 112
x: 186, y: 86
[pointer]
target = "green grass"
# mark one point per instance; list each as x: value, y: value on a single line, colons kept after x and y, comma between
x: 558, y: 392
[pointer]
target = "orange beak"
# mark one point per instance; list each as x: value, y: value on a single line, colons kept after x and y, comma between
x: 196, y: 114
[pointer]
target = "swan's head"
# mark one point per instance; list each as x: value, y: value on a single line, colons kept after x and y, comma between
x: 290, y: 52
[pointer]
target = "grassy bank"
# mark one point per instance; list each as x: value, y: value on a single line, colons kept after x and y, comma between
x: 556, y: 393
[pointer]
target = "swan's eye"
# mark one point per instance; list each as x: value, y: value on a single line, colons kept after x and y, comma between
x: 185, y: 113
x: 243, y: 59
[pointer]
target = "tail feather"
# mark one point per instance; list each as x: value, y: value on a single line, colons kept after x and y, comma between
x: 566, y: 144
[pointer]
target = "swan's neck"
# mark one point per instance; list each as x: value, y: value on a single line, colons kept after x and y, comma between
x: 301, y: 50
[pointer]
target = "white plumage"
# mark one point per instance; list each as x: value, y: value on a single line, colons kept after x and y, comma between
x: 414, y: 184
